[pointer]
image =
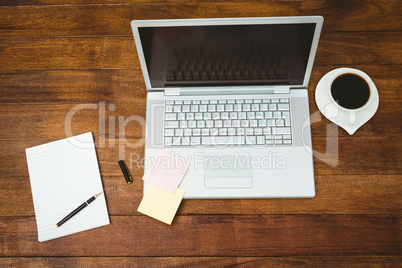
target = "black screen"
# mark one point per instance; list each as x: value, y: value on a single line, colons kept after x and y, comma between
x: 187, y: 56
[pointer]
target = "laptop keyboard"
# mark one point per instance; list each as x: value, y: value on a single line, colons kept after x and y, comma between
x: 226, y: 122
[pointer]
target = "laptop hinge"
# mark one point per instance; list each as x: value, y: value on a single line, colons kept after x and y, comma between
x: 172, y: 91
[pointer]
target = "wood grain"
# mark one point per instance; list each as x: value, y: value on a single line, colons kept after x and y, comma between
x: 214, y: 235
x: 59, y: 54
x: 336, y: 194
x: 362, y: 262
x: 96, y: 20
x: 127, y: 85
x: 348, y: 48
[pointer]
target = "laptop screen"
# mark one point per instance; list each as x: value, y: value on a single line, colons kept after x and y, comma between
x: 227, y: 55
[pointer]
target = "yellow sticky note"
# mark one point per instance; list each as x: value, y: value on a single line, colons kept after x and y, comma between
x: 159, y: 204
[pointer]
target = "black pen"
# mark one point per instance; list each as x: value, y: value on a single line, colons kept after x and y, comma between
x: 83, y: 205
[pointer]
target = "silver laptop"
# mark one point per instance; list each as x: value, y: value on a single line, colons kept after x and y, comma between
x: 229, y: 97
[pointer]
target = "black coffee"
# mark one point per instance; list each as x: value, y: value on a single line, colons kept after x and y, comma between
x: 350, y: 91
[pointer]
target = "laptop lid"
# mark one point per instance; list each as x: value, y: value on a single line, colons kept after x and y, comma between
x: 195, y: 55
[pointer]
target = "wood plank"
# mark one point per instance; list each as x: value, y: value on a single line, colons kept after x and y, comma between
x: 127, y: 85
x: 336, y: 194
x: 69, y: 20
x: 342, y: 49
x: 333, y: 261
x: 214, y: 235
x: 56, y: 121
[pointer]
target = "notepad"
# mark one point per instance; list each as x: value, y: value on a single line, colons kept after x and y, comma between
x: 159, y: 204
x: 166, y: 171
x: 64, y: 174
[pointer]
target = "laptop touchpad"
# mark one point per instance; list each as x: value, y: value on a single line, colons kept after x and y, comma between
x: 227, y: 171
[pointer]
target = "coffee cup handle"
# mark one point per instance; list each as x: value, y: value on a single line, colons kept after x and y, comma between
x: 352, y: 118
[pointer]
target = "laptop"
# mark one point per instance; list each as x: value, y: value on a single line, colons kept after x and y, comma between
x: 229, y: 97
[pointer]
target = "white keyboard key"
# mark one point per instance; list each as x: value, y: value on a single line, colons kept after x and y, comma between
x: 201, y: 124
x: 231, y: 131
x: 181, y: 116
x: 185, y: 108
x: 169, y: 132
x: 205, y: 102
x: 244, y: 123
x: 260, y: 140
x: 264, y: 107
x: 222, y: 101
x: 262, y: 123
x: 195, y: 140
x: 224, y: 115
x: 211, y: 108
x: 187, y: 132
x: 251, y: 115
x: 216, y: 116
x: 251, y: 140
x: 169, y: 108
x: 248, y: 101
x: 196, y: 102
x: 213, y: 102
x: 168, y: 141
x: 172, y: 124
x: 257, y: 101
x: 240, y: 131
x: 259, y: 115
x: 266, y: 101
x: 283, y: 107
x: 192, y: 124
x: 177, y: 141
x: 170, y: 116
x: 287, y: 137
x: 223, y: 132
x: 189, y: 116
x: 275, y: 100
x: 284, y: 100
x: 255, y: 107
x: 203, y: 108
x: 271, y: 122
x: 246, y: 107
x: 169, y: 102
x: 268, y: 115
x: 196, y: 132
x: 178, y: 102
x: 277, y: 114
x: 231, y: 101
x: 214, y: 132
x: 185, y: 141
x: 258, y: 131
x: 286, y: 116
x: 235, y: 123
x: 237, y: 107
x: 267, y: 131
x: 249, y: 131
x: 287, y: 142
x: 242, y: 115
x: 194, y: 108
x: 198, y: 116
x: 278, y: 142
x: 220, y: 108
x: 209, y: 123
x: 207, y: 116
x: 229, y: 107
x: 233, y: 115
x: 227, y: 123
x: 178, y: 132
x: 205, y: 132
x: 272, y: 107
x: 280, y: 122
x: 281, y: 130
x: 253, y: 123
x: 183, y: 124
x: 177, y: 108
x: 218, y: 123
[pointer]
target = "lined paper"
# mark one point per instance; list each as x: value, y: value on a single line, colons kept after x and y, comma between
x: 64, y: 174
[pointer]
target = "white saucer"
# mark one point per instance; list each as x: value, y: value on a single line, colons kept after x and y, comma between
x: 337, y: 114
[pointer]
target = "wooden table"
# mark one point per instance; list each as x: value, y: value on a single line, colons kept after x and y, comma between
x: 57, y: 54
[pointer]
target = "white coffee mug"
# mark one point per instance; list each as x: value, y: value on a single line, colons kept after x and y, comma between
x: 348, y: 118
